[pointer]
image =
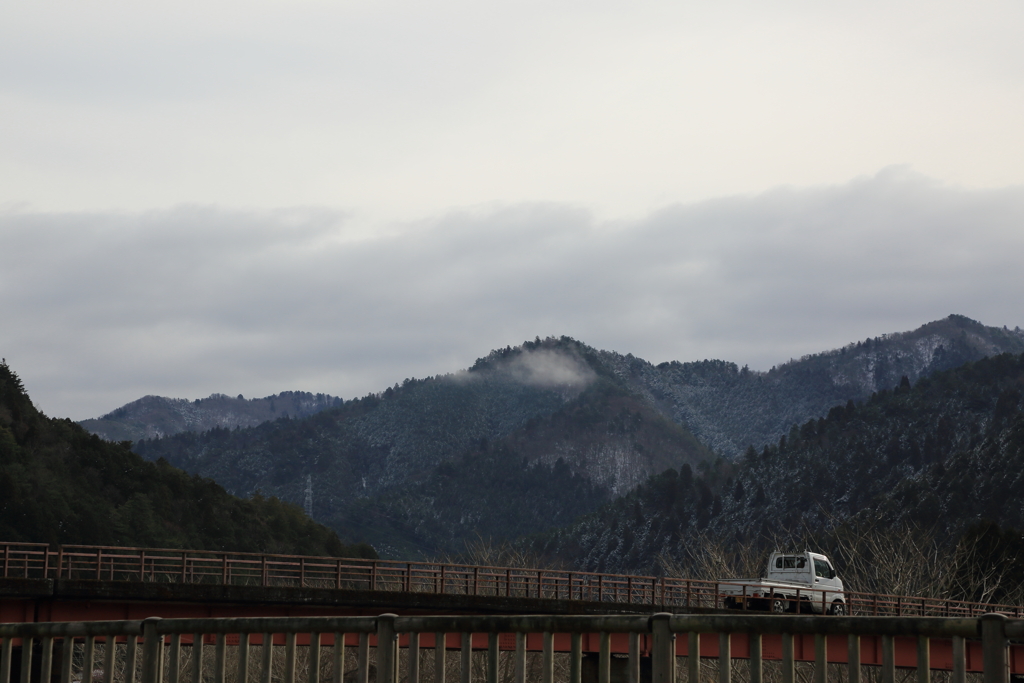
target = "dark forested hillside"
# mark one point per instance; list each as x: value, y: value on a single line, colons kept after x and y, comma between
x: 155, y: 416
x: 545, y: 474
x: 386, y: 461
x: 726, y: 407
x: 611, y: 420
x: 729, y: 408
x: 60, y: 484
x: 945, y: 453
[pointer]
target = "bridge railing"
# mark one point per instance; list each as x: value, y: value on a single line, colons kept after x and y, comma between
x: 109, y: 563
x: 25, y: 560
x: 265, y: 649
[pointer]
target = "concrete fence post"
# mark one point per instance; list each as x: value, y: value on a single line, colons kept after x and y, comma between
x: 789, y: 659
x: 313, y: 657
x: 888, y: 660
x: 67, y: 659
x: 493, y: 653
x: 519, y: 671
x: 548, y: 658
x: 959, y: 660
x: 853, y: 659
x: 820, y: 658
x: 693, y: 657
x: 575, y: 658
x: 634, y: 658
x: 466, y: 659
x: 26, y: 660
x: 604, y: 659
x: 151, y: 651
x: 756, y: 662
x: 439, y: 657
x: 338, y: 675
x: 46, y: 661
x: 387, y: 669
x: 724, y: 658
x: 663, y: 649
x: 414, y: 658
x: 290, y: 640
x: 993, y: 643
x: 924, y: 657
x: 6, y: 651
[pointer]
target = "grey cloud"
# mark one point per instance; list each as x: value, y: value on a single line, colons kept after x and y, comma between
x: 101, y: 309
x: 376, y: 52
x: 546, y: 368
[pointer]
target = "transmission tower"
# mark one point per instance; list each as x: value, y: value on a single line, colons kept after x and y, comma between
x: 309, y: 495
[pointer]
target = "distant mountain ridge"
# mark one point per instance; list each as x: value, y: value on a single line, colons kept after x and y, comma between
x: 155, y: 416
x: 729, y: 408
x: 595, y: 423
x: 726, y: 407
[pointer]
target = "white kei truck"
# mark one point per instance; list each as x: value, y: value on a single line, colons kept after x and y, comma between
x: 793, y: 582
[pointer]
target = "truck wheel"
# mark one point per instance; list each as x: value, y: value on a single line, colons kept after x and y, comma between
x: 779, y: 606
x: 838, y: 609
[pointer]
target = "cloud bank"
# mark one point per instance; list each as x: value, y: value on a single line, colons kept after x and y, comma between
x: 549, y: 369
x: 404, y: 108
x: 102, y: 308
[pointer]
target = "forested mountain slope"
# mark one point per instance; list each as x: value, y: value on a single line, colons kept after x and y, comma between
x: 947, y: 451
x: 397, y: 464
x: 60, y: 484
x: 729, y: 408
x: 384, y: 462
x: 155, y: 416
x: 725, y: 406
x: 545, y: 474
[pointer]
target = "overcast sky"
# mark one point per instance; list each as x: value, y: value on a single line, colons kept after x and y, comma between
x: 233, y: 197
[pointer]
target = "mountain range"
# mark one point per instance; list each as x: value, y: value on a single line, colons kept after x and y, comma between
x: 533, y: 437
x: 729, y: 408
x: 152, y: 417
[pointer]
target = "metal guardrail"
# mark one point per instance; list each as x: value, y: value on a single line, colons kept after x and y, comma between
x: 109, y: 563
x: 165, y: 642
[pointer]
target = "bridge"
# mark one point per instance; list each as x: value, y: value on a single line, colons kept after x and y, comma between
x: 252, y: 599
x: 76, y: 582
